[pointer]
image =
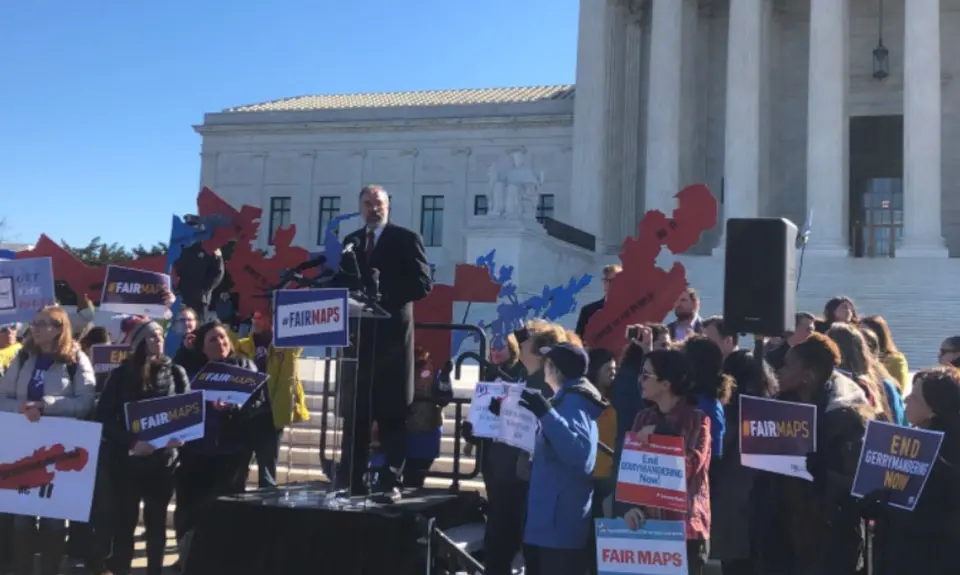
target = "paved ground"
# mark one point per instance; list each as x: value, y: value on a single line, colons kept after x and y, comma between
x: 140, y: 560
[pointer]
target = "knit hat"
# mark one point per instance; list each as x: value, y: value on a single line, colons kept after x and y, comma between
x: 569, y: 359
x: 141, y: 331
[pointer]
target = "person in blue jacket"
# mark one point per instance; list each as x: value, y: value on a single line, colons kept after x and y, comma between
x: 561, y: 483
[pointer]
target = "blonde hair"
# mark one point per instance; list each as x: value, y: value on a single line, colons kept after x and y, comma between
x: 513, y: 350
x: 856, y: 358
x: 545, y: 334
x: 66, y: 350
x: 612, y: 269
x: 573, y: 338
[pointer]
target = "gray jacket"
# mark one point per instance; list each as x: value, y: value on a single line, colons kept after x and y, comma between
x: 62, y: 397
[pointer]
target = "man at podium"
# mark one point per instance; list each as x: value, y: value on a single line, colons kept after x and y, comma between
x: 398, y: 258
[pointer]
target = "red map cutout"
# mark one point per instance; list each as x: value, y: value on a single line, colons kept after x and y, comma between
x: 644, y: 292
x: 32, y: 471
x: 82, y: 278
x: 471, y: 284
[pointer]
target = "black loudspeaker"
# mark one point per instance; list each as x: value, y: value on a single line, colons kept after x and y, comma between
x: 760, y: 276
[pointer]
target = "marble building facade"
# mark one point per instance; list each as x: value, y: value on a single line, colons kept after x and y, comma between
x: 659, y: 85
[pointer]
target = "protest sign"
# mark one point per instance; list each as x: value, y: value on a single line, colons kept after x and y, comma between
x: 658, y: 548
x: 485, y: 424
x: 653, y: 474
x: 227, y: 383
x: 776, y: 435
x: 48, y: 468
x: 898, y: 459
x: 107, y: 357
x: 310, y: 317
x: 159, y: 420
x: 25, y: 286
x: 135, y: 292
x: 518, y: 425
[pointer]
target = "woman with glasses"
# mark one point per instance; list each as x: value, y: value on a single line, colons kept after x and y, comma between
x: 49, y: 377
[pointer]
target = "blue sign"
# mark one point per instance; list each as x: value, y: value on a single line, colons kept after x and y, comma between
x: 897, y: 460
x: 310, y: 317
x: 25, y: 286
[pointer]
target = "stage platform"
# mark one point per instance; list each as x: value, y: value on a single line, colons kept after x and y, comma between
x: 294, y: 529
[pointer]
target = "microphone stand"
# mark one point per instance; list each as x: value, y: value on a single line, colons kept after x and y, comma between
x: 802, y: 240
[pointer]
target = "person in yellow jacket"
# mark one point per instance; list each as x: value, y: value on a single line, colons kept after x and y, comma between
x: 284, y: 392
x: 602, y: 370
x: 9, y: 346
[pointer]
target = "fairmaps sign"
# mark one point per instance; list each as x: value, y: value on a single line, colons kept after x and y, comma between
x: 310, y: 317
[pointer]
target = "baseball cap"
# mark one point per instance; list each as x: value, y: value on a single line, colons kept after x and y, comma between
x: 570, y: 360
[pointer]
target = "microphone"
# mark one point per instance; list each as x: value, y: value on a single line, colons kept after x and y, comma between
x: 373, y: 284
x: 350, y: 246
x: 349, y: 274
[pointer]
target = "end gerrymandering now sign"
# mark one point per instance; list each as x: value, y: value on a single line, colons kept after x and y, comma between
x: 107, y: 357
x: 653, y: 474
x: 135, y: 292
x: 157, y: 421
x: 776, y: 436
x: 310, y: 318
x: 898, y: 459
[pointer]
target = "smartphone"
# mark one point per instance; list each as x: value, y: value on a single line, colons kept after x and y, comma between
x: 633, y: 332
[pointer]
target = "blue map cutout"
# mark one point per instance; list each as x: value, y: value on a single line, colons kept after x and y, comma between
x: 332, y: 246
x: 512, y: 312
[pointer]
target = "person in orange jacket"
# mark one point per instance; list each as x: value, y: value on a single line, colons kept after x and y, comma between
x: 284, y: 393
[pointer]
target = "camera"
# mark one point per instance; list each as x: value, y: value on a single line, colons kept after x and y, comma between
x: 633, y: 332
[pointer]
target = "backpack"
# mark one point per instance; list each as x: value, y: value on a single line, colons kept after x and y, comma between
x: 23, y: 355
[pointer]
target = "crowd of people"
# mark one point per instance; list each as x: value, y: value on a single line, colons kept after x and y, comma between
x: 47, y: 372
x: 684, y: 379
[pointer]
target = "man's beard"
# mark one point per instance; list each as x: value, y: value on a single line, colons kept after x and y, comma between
x: 683, y: 315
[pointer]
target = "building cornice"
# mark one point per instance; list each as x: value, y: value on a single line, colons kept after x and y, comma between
x: 397, y: 125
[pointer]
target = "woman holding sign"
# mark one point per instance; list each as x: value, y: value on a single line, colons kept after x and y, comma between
x: 50, y: 376
x: 141, y: 471
x: 218, y: 464
x: 667, y: 382
x: 926, y: 539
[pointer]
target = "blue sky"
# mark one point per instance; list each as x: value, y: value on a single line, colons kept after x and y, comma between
x: 98, y: 98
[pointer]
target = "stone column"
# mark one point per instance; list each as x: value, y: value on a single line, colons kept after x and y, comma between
x: 741, y: 160
x: 633, y: 64
x: 662, y: 180
x: 921, y: 132
x: 306, y: 210
x: 209, y: 166
x: 615, y: 17
x: 587, y: 198
x: 827, y: 127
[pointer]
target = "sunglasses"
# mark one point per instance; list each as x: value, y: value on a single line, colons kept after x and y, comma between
x: 946, y: 351
x: 45, y: 324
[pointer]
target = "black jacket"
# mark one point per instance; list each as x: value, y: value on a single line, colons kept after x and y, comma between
x: 401, y: 258
x: 198, y: 274
x: 815, y: 527
x: 586, y: 312
x: 123, y: 386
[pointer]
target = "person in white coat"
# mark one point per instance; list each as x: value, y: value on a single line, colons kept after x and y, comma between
x: 49, y: 377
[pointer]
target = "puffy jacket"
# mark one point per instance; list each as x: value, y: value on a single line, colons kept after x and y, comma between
x: 561, y: 478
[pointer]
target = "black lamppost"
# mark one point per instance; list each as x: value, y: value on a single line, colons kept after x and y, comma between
x: 881, y: 56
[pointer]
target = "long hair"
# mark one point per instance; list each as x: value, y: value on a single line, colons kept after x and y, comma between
x: 706, y: 364
x: 879, y: 327
x: 864, y: 367
x: 66, y: 349
x: 832, y: 305
x: 201, y: 337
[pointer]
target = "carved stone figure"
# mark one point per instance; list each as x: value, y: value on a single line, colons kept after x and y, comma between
x: 512, y: 188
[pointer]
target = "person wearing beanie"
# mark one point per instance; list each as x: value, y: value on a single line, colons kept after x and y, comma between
x: 137, y: 471
x: 561, y: 479
x: 924, y: 540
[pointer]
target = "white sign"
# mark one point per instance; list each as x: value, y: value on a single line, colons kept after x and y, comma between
x: 659, y: 548
x: 48, y: 468
x: 485, y: 424
x: 518, y: 425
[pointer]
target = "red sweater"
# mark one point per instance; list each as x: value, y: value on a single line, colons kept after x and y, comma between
x: 694, y: 426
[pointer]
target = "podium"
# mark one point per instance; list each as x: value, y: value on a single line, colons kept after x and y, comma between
x: 354, y: 394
